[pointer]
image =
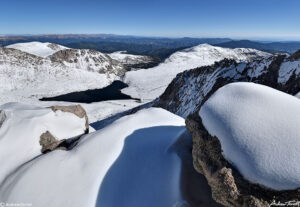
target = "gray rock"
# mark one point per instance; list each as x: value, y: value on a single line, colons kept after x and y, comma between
x: 185, y: 96
x: 50, y: 143
x: 2, y: 117
x: 74, y: 109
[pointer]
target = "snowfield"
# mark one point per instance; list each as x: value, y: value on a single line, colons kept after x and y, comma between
x: 21, y: 130
x: 38, y: 48
x: 132, y: 162
x: 148, y: 84
x: 24, y: 76
x: 129, y: 59
x: 258, y: 128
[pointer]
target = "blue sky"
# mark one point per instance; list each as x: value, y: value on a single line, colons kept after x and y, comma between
x: 254, y: 19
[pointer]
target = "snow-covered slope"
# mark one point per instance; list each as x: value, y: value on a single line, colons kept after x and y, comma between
x: 258, y: 128
x: 38, y: 48
x: 189, y: 89
x: 21, y: 128
x: 150, y: 83
x: 132, y: 162
x: 129, y: 59
x: 24, y: 76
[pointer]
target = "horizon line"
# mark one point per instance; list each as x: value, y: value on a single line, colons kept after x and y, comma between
x: 240, y: 38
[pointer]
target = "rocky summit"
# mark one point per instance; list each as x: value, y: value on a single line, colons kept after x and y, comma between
x: 191, y: 89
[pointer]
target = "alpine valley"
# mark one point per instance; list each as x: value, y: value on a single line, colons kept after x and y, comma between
x: 204, y: 126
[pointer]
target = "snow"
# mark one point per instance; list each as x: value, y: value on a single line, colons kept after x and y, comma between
x: 21, y: 130
x: 95, y: 111
x: 38, y: 48
x: 191, y: 87
x: 258, y: 128
x: 148, y: 84
x: 131, y: 162
x: 19, y: 84
x: 125, y: 58
x: 24, y: 77
x: 287, y: 69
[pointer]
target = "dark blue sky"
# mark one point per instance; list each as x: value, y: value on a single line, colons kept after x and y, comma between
x: 261, y: 19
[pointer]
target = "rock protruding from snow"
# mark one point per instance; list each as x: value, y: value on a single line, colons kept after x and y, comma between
x: 50, y: 143
x: 290, y: 69
x: 2, y: 117
x: 38, y: 48
x: 89, y: 60
x: 131, y: 157
x: 189, y: 89
x: 242, y: 138
x: 21, y: 132
x: 78, y: 110
x: 132, y: 62
x: 151, y: 83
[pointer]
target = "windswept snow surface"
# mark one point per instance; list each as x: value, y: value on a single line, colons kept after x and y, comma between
x: 21, y: 130
x: 258, y: 128
x: 151, y: 83
x: 128, y: 163
x: 38, y: 48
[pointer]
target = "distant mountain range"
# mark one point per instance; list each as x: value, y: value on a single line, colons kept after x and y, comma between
x: 273, y: 47
x: 158, y: 47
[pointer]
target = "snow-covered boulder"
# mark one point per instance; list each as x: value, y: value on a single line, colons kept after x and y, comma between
x: 258, y: 128
x: 38, y: 48
x: 246, y: 143
x: 23, y: 128
x: 132, y: 162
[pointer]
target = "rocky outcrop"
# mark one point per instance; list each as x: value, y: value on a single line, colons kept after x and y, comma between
x: 2, y: 118
x: 90, y: 60
x: 229, y: 188
x: 189, y: 91
x: 75, y: 109
x: 50, y: 143
x: 295, y: 56
x: 134, y: 62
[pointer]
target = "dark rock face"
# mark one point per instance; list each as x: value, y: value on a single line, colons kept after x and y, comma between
x: 295, y: 56
x: 189, y: 91
x: 2, y: 118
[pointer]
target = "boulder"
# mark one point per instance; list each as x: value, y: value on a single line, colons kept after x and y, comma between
x: 228, y: 186
x: 50, y: 143
x: 78, y: 110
